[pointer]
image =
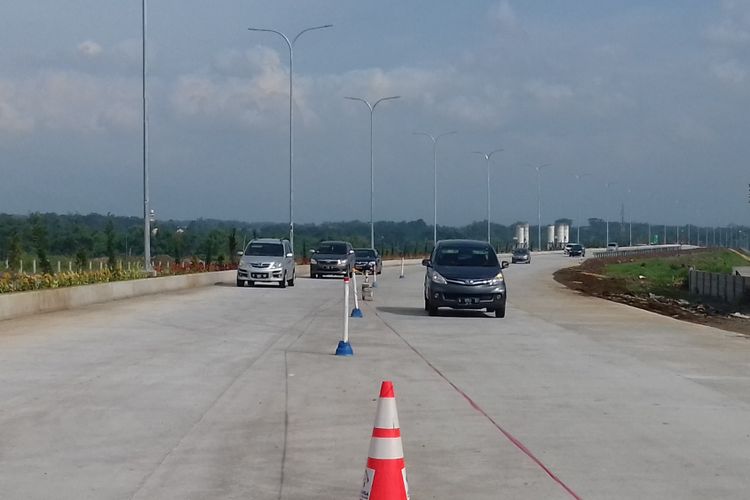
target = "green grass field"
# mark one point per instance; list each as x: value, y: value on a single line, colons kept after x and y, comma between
x: 668, y: 276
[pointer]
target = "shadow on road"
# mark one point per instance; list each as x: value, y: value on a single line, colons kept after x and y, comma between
x: 418, y: 311
x: 404, y: 311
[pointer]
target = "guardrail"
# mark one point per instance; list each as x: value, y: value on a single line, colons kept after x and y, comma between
x: 633, y: 251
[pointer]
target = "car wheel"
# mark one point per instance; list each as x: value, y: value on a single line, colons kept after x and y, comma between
x: 241, y: 283
x: 291, y: 281
x: 431, y: 310
x: 500, y: 312
x: 282, y: 283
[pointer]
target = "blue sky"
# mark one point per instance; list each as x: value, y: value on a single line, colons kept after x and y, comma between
x: 650, y: 97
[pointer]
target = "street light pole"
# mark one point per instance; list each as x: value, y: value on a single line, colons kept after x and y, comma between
x: 290, y: 45
x: 606, y: 213
x: 434, y: 139
x: 487, y: 157
x: 371, y: 107
x: 146, y: 212
x: 578, y: 232
x: 539, y: 202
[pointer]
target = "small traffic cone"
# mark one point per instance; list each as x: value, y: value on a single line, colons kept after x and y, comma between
x: 385, y: 474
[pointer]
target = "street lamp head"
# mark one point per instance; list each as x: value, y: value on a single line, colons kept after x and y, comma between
x: 487, y: 156
x: 390, y: 98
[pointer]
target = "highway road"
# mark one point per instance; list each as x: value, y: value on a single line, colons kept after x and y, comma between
x: 222, y: 392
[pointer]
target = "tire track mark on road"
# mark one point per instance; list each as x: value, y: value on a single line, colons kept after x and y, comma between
x: 510, y: 437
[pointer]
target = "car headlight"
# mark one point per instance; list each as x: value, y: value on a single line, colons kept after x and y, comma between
x: 497, y: 279
x: 342, y: 261
x: 372, y: 263
x: 313, y: 261
x: 436, y: 278
x: 275, y: 265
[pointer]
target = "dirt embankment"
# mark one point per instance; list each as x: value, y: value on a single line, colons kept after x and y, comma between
x: 588, y: 278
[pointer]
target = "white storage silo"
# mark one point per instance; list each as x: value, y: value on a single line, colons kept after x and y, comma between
x: 550, y: 236
x: 566, y: 235
x: 559, y: 235
x: 526, y: 235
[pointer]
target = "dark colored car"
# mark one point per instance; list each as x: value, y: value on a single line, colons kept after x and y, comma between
x: 576, y: 250
x: 521, y: 255
x: 367, y: 259
x: 332, y: 257
x: 464, y: 274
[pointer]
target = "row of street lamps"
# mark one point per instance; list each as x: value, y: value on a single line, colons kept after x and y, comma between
x: 371, y: 107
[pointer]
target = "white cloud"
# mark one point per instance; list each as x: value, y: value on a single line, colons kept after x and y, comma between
x: 728, y: 33
x: 731, y: 72
x: 734, y: 27
x: 253, y: 100
x: 89, y: 48
x: 549, y: 95
x: 504, y: 18
x: 11, y: 118
x: 64, y: 100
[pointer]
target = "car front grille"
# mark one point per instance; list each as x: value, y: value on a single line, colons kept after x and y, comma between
x: 261, y: 265
x: 468, y: 282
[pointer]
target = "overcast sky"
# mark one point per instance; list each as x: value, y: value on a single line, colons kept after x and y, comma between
x: 648, y: 98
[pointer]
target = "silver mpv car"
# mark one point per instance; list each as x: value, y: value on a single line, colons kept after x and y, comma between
x: 269, y: 260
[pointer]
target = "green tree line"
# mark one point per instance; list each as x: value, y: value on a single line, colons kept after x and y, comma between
x: 83, y: 237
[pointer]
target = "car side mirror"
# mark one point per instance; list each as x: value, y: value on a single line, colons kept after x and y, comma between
x: 426, y: 262
x: 351, y: 252
x: 312, y: 251
x: 240, y: 253
x: 290, y: 255
x: 504, y: 264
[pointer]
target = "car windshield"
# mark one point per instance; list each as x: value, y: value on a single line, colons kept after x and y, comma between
x: 332, y: 248
x: 265, y: 249
x: 364, y: 253
x: 520, y: 251
x: 575, y: 247
x: 466, y: 256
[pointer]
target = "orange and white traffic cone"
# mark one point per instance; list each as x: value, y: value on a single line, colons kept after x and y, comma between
x: 385, y: 474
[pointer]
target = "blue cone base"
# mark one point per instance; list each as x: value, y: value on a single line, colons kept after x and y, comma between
x: 357, y: 313
x: 375, y: 284
x: 344, y: 349
x: 401, y: 277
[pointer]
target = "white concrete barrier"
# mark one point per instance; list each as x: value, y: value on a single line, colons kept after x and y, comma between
x: 14, y: 305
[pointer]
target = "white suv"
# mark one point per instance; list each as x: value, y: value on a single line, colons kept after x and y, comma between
x: 268, y: 260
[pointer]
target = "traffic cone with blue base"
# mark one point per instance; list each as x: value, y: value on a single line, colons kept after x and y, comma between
x: 385, y: 474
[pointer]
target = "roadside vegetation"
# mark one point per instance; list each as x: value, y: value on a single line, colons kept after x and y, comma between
x: 668, y: 276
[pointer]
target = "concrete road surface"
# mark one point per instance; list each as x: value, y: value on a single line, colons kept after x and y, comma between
x: 224, y: 392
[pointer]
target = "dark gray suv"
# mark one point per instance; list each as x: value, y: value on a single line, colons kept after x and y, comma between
x: 332, y: 257
x: 464, y: 274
